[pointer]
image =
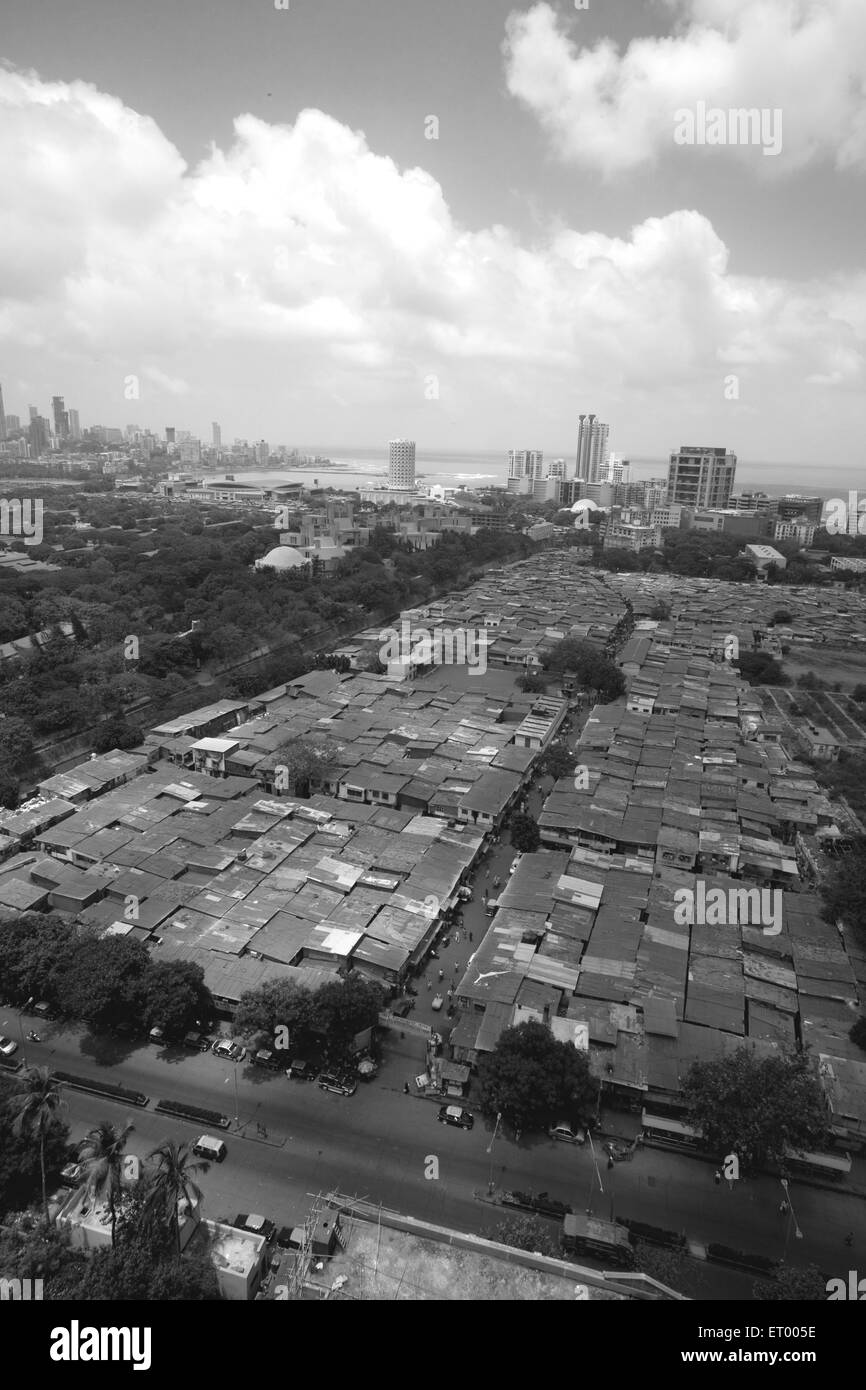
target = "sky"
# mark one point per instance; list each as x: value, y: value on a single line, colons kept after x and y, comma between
x: 460, y: 221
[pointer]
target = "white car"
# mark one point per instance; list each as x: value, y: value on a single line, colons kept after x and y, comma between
x: 8, y: 1046
x: 224, y: 1047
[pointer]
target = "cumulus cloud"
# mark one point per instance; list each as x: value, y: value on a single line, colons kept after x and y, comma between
x: 300, y: 264
x: 613, y: 111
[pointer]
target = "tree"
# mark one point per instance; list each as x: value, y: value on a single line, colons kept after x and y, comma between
x: 278, y: 1004
x: 660, y: 611
x: 35, y: 1105
x: 307, y: 762
x: 525, y: 835
x: 792, y: 1284
x: 344, y: 1008
x: 116, y: 732
x: 783, y: 616
x: 594, y: 671
x: 843, y: 889
x: 759, y: 668
x: 102, y: 981
x: 533, y: 683
x: 557, y: 761
x: 859, y: 694
x: 21, y: 1162
x: 533, y: 1080
x: 756, y: 1107
x: 172, y: 1183
x: 30, y: 1249
x: 857, y: 1032
x: 530, y: 1233
x: 175, y: 997
x: 33, y: 951
x: 102, y: 1154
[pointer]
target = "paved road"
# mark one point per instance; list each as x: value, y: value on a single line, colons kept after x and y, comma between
x: 379, y: 1142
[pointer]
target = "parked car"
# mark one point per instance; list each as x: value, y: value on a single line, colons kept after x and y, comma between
x: 437, y: 1003
x: 456, y: 1115
x: 156, y: 1035
x: 43, y: 1009
x: 568, y: 1133
x: 8, y: 1047
x: 258, y: 1225
x: 340, y: 1087
x: 271, y: 1061
x: 233, y: 1051
x: 301, y: 1070
x: 197, y: 1042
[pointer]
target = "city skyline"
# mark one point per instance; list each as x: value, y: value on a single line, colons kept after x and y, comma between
x: 299, y: 238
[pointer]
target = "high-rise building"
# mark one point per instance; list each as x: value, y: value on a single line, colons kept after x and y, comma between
x: 525, y: 463
x: 263, y: 453
x: 39, y: 432
x: 60, y: 417
x: 13, y: 423
x: 74, y: 425
x: 702, y: 478
x: 592, y: 449
x: 2, y: 416
x: 34, y: 412
x: 617, y: 470
x: 169, y: 434
x: 216, y: 435
x: 525, y: 469
x: 401, y: 463
x: 556, y: 469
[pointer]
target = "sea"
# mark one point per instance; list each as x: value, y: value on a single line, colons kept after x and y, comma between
x: 365, y: 467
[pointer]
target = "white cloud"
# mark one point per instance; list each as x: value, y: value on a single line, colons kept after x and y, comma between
x: 613, y: 111
x: 298, y: 269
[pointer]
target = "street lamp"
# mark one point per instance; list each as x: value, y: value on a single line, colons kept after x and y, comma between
x: 491, y: 1184
x: 593, y: 1175
x: 792, y: 1217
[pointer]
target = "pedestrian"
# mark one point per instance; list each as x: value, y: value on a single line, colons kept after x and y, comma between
x: 609, y: 1161
x: 717, y: 1177
x: 485, y: 899
x: 784, y: 1208
x: 849, y: 1239
x: 470, y: 936
x: 429, y: 984
x: 406, y: 1090
x: 457, y: 938
x: 486, y: 873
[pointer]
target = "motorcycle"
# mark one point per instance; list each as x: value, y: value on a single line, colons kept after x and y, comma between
x: 33, y: 1037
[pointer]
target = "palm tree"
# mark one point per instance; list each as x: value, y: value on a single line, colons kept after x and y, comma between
x: 172, y: 1183
x: 35, y: 1105
x: 102, y: 1154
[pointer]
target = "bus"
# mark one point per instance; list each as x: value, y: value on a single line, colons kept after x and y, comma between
x: 602, y: 1240
x: 667, y: 1133
x: 834, y: 1166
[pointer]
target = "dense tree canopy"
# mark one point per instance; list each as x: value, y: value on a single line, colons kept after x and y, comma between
x: 756, y: 1107
x: 533, y: 1080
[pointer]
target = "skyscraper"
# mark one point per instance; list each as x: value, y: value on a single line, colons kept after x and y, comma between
x: 401, y: 463
x: 60, y: 418
x: 592, y: 449
x: 169, y: 434
x: 217, y: 436
x: 2, y: 416
x: 74, y: 425
x: 701, y: 477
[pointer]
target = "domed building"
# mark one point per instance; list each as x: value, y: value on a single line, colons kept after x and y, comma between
x: 585, y: 504
x: 282, y: 557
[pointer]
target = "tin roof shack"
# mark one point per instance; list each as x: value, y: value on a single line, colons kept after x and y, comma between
x: 844, y: 1083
